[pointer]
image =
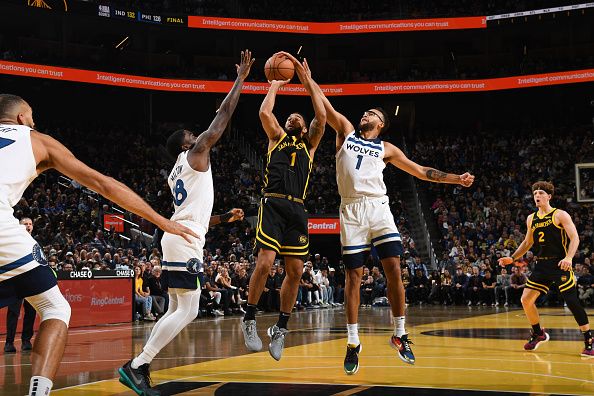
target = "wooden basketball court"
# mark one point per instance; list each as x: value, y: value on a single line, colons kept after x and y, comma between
x: 459, y: 351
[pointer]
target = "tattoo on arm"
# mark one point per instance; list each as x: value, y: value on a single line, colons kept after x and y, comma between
x: 316, y: 130
x: 434, y: 174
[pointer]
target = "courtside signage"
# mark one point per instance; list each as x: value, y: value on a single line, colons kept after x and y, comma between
x: 323, y: 226
x: 386, y: 88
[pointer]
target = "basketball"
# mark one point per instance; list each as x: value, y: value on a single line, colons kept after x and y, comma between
x: 279, y: 67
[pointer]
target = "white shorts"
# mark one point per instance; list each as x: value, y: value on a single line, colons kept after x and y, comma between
x: 365, y: 222
x: 176, y: 254
x: 24, y: 270
x: 19, y: 252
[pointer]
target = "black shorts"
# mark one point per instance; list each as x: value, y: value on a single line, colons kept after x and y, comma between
x: 546, y: 273
x: 282, y: 227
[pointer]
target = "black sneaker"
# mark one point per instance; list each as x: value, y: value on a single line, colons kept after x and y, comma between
x: 27, y: 346
x: 351, y: 360
x: 9, y: 348
x: 139, y: 380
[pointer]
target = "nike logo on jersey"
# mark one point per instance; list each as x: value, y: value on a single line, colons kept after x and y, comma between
x: 6, y: 142
x: 363, y: 150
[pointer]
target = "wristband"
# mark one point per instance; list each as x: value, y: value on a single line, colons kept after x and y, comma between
x: 226, y: 217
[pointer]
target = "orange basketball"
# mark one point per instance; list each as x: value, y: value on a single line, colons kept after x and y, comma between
x: 279, y: 67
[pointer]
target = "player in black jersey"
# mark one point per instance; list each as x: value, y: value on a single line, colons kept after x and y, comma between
x: 282, y: 219
x: 552, y: 232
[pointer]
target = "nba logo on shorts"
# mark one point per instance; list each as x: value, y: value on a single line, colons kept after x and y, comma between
x: 38, y: 255
x: 194, y: 266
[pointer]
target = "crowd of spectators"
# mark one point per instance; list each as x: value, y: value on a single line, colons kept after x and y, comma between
x: 476, y: 226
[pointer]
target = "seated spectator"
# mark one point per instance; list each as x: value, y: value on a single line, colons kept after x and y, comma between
x: 435, y: 287
x: 366, y: 288
x: 585, y: 284
x: 270, y: 298
x: 221, y: 295
x: 446, y: 287
x: 460, y: 284
x: 141, y: 296
x: 516, y: 288
x: 336, y: 293
x: 502, y: 287
x: 158, y: 292
x: 379, y: 284
x: 475, y: 286
x: 421, y: 287
x: 488, y: 291
x: 406, y: 282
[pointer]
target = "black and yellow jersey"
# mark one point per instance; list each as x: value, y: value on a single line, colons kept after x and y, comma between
x: 550, y: 239
x: 288, y: 167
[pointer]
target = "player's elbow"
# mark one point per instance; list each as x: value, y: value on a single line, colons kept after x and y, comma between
x: 265, y: 115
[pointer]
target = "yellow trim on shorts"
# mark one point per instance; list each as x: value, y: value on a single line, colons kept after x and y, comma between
x: 294, y: 253
x: 267, y: 244
x: 545, y: 291
x: 259, y: 227
x: 295, y: 247
x: 538, y: 284
x: 569, y: 284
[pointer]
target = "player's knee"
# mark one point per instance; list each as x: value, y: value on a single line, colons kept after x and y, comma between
x: 527, y: 300
x: 51, y: 304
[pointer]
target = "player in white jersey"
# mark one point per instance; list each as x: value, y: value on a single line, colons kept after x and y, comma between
x: 365, y: 216
x: 193, y: 195
x: 24, y: 271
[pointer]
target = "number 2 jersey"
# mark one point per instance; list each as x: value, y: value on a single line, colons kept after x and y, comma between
x: 550, y: 239
x: 193, y: 192
x: 359, y: 167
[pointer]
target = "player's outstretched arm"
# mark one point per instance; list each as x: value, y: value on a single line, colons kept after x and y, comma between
x: 318, y: 124
x: 524, y: 246
x: 269, y: 122
x: 564, y: 220
x: 52, y: 154
x: 229, y: 217
x: 218, y: 125
x: 396, y: 157
x: 337, y: 121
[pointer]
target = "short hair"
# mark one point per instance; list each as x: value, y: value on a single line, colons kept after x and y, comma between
x: 7, y: 104
x: 545, y: 186
x: 175, y: 142
x: 385, y: 117
x: 22, y: 221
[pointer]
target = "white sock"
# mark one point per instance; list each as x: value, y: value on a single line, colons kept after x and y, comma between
x: 40, y: 386
x: 399, y: 330
x: 353, y: 331
x: 169, y: 326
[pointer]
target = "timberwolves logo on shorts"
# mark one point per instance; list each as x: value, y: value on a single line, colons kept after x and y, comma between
x: 194, y: 266
x: 302, y: 239
x: 38, y: 255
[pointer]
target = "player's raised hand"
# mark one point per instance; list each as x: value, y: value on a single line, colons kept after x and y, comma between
x: 278, y: 83
x: 503, y: 261
x: 177, y: 229
x: 243, y: 69
x: 466, y: 179
x: 302, y: 69
x: 237, y: 214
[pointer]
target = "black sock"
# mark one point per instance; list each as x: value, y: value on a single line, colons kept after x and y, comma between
x: 536, y: 329
x: 587, y: 335
x: 250, y: 312
x: 283, y: 318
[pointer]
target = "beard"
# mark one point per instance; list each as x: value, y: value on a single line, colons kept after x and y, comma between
x: 365, y: 127
x: 293, y: 131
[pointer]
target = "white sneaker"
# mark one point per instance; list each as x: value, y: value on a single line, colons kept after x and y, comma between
x: 506, y: 304
x: 218, y: 313
x: 150, y: 317
x: 469, y: 303
x: 497, y: 304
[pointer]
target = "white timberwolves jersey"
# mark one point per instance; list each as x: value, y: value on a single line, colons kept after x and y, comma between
x: 359, y: 167
x: 193, y: 192
x: 17, y: 167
